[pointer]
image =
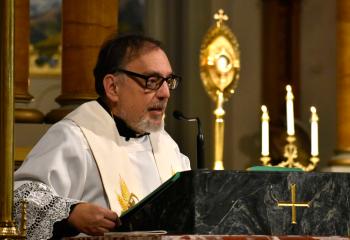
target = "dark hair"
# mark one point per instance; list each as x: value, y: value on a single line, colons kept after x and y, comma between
x: 116, y: 52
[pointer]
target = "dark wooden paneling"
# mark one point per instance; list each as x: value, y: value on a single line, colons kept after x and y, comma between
x: 281, y: 53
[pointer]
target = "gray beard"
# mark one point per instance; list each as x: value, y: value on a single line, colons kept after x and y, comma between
x: 143, y: 125
x: 146, y: 126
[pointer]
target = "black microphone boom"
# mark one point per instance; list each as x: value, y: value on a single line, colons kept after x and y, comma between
x: 178, y: 115
x: 200, y: 137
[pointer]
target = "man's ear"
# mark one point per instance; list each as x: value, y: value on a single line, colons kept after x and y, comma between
x: 111, y: 87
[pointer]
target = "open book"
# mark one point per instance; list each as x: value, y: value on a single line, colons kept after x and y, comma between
x: 150, y: 196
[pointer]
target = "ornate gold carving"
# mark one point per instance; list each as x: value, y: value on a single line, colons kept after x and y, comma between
x: 8, y: 230
x: 290, y: 153
x: 293, y: 204
x: 219, y: 71
x: 219, y: 62
x: 126, y: 199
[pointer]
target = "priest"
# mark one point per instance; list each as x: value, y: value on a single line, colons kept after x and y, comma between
x: 108, y: 154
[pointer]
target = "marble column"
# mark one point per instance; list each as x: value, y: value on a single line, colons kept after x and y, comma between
x: 21, y: 66
x: 85, y: 25
x: 341, y: 160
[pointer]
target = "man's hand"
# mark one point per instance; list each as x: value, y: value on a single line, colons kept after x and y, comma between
x: 92, y: 219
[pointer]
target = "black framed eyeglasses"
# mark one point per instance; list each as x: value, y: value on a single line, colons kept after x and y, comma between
x: 153, y: 82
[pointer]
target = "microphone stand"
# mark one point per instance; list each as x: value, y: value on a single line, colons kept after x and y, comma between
x: 200, y: 137
x: 200, y: 146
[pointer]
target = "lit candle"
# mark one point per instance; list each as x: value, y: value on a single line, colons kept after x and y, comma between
x: 264, y: 131
x: 314, y: 132
x: 290, y: 111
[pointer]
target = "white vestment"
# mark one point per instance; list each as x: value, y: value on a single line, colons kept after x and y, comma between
x: 83, y: 158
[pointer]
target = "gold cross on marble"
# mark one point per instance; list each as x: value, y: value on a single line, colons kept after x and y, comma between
x: 220, y: 17
x: 293, y: 204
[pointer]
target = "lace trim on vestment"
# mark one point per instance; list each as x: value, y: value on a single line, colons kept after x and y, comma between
x: 44, y: 208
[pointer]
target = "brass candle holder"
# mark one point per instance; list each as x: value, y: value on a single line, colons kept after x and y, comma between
x: 219, y: 71
x: 290, y: 148
x: 291, y: 155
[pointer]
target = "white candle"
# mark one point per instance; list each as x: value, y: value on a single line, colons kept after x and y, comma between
x: 264, y: 131
x: 314, y: 132
x: 290, y: 111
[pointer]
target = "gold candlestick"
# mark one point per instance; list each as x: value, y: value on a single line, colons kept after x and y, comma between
x: 219, y: 71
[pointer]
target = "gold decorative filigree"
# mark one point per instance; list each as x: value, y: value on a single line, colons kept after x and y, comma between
x: 219, y: 59
x: 291, y: 154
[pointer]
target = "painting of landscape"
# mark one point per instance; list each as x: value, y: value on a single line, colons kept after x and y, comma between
x: 45, y: 37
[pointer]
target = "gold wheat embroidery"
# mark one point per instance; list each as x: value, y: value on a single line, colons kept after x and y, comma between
x: 126, y: 199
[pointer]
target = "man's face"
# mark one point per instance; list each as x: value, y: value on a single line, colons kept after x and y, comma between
x: 143, y: 109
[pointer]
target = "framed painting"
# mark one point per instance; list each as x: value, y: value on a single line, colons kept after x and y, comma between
x: 45, y: 38
x: 131, y: 16
x: 45, y: 32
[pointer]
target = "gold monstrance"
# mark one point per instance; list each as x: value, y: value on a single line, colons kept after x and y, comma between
x: 219, y: 70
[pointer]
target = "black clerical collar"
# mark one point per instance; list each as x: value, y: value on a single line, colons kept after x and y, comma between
x: 123, y: 129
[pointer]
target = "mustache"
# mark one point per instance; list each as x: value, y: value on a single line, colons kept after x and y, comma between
x: 158, y: 106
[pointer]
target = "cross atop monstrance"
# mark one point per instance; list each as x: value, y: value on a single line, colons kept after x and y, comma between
x: 220, y: 17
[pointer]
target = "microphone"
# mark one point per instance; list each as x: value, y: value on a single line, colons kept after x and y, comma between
x: 200, y: 137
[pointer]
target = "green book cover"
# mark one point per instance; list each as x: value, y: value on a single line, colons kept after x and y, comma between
x: 273, y: 169
x: 160, y: 189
